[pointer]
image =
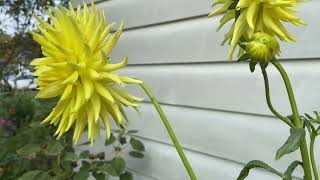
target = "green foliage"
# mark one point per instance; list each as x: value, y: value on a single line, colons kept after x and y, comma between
x: 41, y: 156
x: 31, y: 175
x: 126, y: 176
x: 100, y: 168
x: 30, y: 145
x: 256, y: 164
x: 83, y: 173
x: 136, y: 154
x: 296, y: 137
x: 137, y: 145
x: 288, y: 174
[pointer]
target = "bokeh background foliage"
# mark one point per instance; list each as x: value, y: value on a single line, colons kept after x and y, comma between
x: 28, y: 150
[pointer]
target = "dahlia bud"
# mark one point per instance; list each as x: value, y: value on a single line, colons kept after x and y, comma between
x: 262, y: 47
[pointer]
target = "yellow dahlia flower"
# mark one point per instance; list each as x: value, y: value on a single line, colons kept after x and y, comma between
x: 257, y: 16
x: 262, y: 47
x: 76, y: 68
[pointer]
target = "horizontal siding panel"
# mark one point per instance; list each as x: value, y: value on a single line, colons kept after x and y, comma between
x: 162, y: 161
x: 80, y: 2
x: 145, y: 12
x: 232, y: 136
x: 230, y: 86
x: 195, y: 40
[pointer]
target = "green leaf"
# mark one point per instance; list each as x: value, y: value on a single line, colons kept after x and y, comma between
x: 29, y: 149
x: 82, y: 174
x: 137, y: 144
x: 293, y: 142
x: 99, y: 176
x: 256, y: 164
x: 136, y: 154
x: 252, y: 66
x: 109, y: 169
x: 118, y: 164
x: 132, y: 131
x: 84, y: 154
x: 86, y: 164
x: 126, y: 176
x: 32, y: 175
x: 288, y: 174
x: 69, y: 156
x: 111, y: 140
x: 54, y: 148
x: 100, y: 155
x: 244, y: 57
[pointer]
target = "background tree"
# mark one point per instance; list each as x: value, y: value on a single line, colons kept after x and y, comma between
x: 17, y: 47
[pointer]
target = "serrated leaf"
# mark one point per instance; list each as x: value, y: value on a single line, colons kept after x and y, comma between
x: 136, y: 154
x: 111, y: 140
x: 256, y: 164
x: 84, y: 154
x: 132, y: 131
x: 137, y: 144
x: 118, y: 164
x: 82, y: 174
x: 288, y: 174
x: 244, y: 57
x: 296, y: 137
x: 252, y: 66
x: 54, y: 148
x: 126, y: 176
x: 29, y: 149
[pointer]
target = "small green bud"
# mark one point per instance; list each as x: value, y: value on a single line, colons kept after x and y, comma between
x: 262, y: 47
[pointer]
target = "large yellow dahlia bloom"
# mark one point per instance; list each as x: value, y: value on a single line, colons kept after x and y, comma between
x: 76, y: 68
x: 252, y: 16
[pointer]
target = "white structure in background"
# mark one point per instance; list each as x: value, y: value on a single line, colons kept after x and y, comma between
x: 216, y: 108
x: 21, y: 81
x: 24, y: 80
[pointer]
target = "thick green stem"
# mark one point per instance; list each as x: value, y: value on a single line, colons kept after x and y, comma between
x: 297, y: 120
x: 268, y: 98
x: 313, y: 162
x: 170, y: 131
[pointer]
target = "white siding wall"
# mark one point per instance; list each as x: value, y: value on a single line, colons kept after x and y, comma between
x: 216, y: 107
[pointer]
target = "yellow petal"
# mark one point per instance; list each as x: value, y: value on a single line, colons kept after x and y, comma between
x: 96, y: 105
x: 87, y: 87
x: 105, y: 118
x: 103, y: 92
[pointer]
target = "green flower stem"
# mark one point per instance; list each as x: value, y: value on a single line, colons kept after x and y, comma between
x: 313, y: 162
x: 297, y: 120
x: 268, y: 98
x: 170, y: 131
